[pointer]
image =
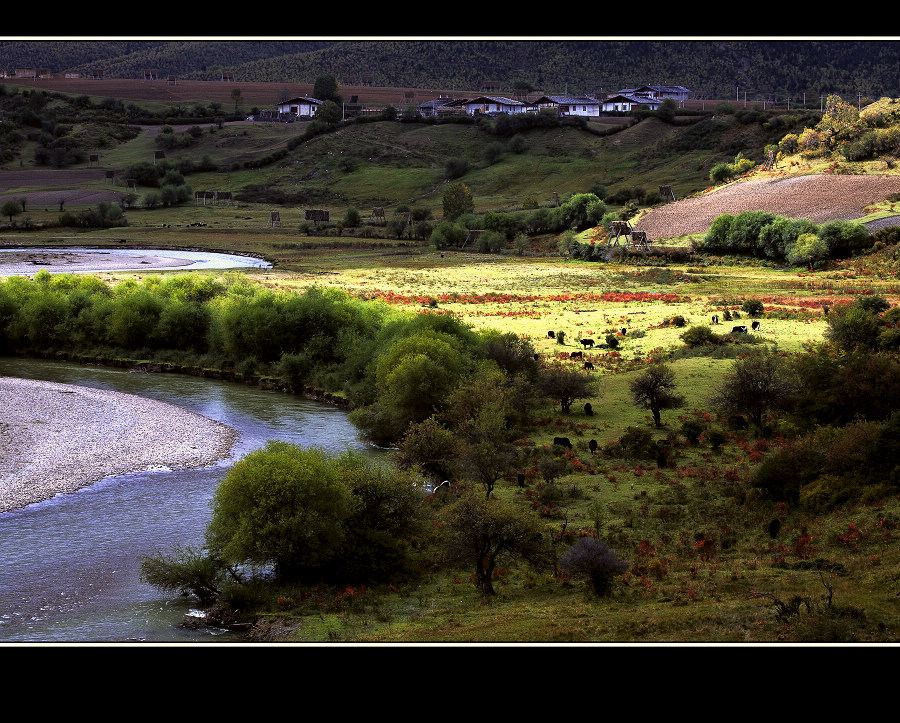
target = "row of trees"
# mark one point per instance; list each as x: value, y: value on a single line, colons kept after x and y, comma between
x: 799, y: 241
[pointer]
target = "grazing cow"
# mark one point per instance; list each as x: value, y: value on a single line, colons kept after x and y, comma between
x: 592, y: 445
x: 588, y: 365
x: 587, y: 343
x: 551, y: 334
x: 576, y: 355
x: 755, y: 326
x: 588, y: 409
x: 715, y: 319
x: 562, y: 442
x: 739, y: 330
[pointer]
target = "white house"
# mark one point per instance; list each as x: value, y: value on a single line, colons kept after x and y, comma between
x: 659, y: 92
x: 623, y: 102
x: 299, y: 106
x: 580, y: 105
x: 492, y: 104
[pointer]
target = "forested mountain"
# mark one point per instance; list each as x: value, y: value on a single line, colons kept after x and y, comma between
x: 710, y: 68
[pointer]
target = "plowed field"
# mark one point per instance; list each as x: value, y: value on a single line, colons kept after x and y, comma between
x: 819, y: 198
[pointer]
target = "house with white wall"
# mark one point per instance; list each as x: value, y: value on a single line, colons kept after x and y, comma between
x: 492, y: 104
x: 621, y: 102
x: 302, y: 107
x: 580, y: 105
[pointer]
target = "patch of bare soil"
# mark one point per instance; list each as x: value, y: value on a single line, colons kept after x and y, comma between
x: 819, y: 198
x: 50, y: 180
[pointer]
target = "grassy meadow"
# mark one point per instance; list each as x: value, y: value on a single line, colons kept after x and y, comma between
x: 704, y: 566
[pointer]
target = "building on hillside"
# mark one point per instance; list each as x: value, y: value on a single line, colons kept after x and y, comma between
x: 621, y: 102
x: 300, y: 107
x: 580, y: 105
x: 439, y: 107
x: 492, y: 105
x: 658, y: 92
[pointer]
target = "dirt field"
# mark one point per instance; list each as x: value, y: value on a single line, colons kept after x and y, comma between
x: 252, y: 94
x: 819, y: 198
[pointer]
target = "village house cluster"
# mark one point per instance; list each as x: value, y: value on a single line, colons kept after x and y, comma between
x: 646, y: 96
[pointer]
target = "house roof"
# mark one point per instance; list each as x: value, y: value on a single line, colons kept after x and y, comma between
x: 437, y: 103
x: 490, y: 99
x: 631, y: 99
x: 658, y: 88
x: 301, y: 99
x: 567, y: 100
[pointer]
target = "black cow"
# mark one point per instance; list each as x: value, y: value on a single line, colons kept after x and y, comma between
x: 624, y: 331
x: 562, y: 442
x: 755, y: 326
x: 588, y: 409
x: 551, y: 334
x: 592, y: 445
x: 521, y: 479
x: 588, y: 365
x: 576, y: 355
x: 739, y: 330
x: 587, y: 343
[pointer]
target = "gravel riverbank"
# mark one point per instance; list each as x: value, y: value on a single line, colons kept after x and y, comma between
x: 57, y: 438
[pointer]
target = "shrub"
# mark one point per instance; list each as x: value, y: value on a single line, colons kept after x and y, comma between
x: 592, y: 559
x: 754, y: 307
x: 700, y: 336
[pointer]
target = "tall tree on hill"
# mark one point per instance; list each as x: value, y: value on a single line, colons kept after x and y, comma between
x: 326, y: 88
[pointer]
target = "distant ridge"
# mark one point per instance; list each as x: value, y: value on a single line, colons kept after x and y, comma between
x: 804, y: 69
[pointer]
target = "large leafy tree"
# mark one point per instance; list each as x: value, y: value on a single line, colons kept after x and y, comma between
x: 326, y: 88
x: 457, y: 200
x: 755, y: 386
x: 484, y: 532
x: 565, y: 385
x: 655, y: 390
x: 282, y: 505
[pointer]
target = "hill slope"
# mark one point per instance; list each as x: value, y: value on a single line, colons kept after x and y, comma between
x: 710, y: 68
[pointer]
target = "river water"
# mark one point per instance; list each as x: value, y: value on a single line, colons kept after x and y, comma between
x: 70, y: 569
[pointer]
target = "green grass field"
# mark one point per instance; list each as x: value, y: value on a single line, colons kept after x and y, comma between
x: 678, y: 589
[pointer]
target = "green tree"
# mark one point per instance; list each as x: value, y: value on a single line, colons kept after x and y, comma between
x: 457, y: 200
x: 808, y: 250
x: 384, y: 522
x: 326, y: 87
x: 11, y: 208
x: 281, y: 505
x: 856, y: 327
x: 184, y: 571
x: 566, y: 385
x: 485, y: 532
x: 654, y: 389
x: 329, y: 112
x: 755, y: 386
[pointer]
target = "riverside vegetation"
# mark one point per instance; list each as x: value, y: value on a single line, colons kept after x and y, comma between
x: 692, y: 485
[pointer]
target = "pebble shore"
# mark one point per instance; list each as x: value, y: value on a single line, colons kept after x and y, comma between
x: 57, y: 438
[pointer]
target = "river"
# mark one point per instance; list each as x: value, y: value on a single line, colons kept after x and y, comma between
x: 71, y: 565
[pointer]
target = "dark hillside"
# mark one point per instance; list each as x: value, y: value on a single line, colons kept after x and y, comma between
x: 802, y: 70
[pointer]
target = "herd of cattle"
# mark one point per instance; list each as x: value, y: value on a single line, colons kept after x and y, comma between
x: 589, y: 343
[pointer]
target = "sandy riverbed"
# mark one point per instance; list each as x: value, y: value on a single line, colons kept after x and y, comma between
x: 29, y: 262
x: 57, y: 438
